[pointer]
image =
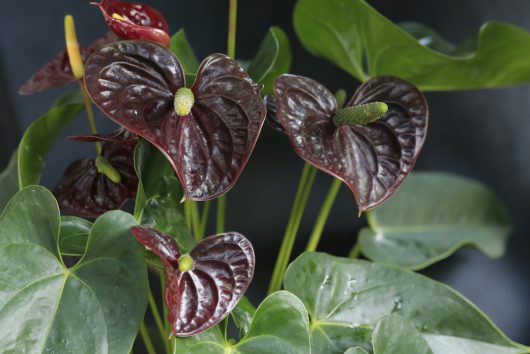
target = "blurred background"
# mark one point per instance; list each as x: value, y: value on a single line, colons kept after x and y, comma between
x: 481, y: 134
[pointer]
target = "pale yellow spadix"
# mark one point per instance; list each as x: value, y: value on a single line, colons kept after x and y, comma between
x: 118, y: 17
x: 72, y: 47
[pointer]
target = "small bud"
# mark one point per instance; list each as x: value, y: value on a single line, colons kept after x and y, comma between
x: 104, y: 167
x: 118, y: 17
x: 184, y: 100
x: 72, y: 47
x: 361, y: 114
x: 185, y: 263
x: 340, y: 97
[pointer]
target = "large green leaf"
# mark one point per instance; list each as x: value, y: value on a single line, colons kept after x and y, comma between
x: 181, y: 47
x: 356, y: 350
x: 395, y: 334
x: 272, y: 59
x: 430, y: 217
x: 40, y: 136
x: 9, y: 181
x: 345, y: 298
x: 280, y: 325
x: 243, y: 314
x: 73, y: 236
x: 350, y: 33
x: 94, y: 307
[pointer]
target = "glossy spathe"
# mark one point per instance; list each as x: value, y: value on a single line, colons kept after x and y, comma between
x: 201, y: 291
x: 134, y: 83
x: 372, y: 159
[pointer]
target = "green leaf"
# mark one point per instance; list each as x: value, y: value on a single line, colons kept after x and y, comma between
x: 40, y: 136
x: 243, y: 314
x: 180, y: 46
x: 94, y: 307
x: 428, y: 37
x: 350, y: 33
x: 9, y: 181
x: 73, y: 235
x: 356, y: 350
x: 395, y: 334
x: 430, y: 217
x: 272, y: 59
x: 345, y: 298
x: 280, y: 325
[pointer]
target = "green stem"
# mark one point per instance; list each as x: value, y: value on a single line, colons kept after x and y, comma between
x: 323, y: 215
x: 302, y: 194
x: 158, y: 320
x: 204, y: 219
x: 195, y: 219
x: 187, y: 214
x: 90, y: 114
x: 221, y: 214
x: 147, y: 339
x: 163, y: 290
x: 356, y: 251
x: 232, y: 25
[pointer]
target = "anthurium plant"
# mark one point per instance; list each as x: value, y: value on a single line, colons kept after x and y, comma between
x: 80, y: 261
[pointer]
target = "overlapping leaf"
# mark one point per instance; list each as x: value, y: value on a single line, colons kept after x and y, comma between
x: 372, y: 159
x: 350, y: 33
x: 9, y: 181
x: 209, y: 147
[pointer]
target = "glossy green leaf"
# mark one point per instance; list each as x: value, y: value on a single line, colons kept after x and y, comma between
x: 9, y: 181
x: 428, y: 37
x: 94, y: 307
x: 395, y: 334
x: 180, y: 46
x: 73, y: 236
x: 351, y: 33
x: 430, y: 217
x: 40, y: 136
x: 345, y: 298
x: 272, y: 59
x: 280, y: 325
x: 356, y: 350
x: 243, y: 314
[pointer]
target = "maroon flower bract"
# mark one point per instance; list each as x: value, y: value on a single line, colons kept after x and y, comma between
x: 83, y: 191
x: 137, y: 21
x: 372, y: 159
x: 134, y: 83
x: 200, y: 297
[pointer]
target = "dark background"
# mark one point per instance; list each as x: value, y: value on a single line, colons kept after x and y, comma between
x: 480, y: 134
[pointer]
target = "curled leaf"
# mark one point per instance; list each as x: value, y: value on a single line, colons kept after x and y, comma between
x: 58, y: 72
x: 84, y: 191
x: 216, y: 275
x: 272, y: 118
x: 120, y: 135
x: 134, y: 83
x: 372, y: 159
x: 135, y: 21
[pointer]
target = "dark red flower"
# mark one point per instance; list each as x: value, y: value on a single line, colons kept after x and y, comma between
x: 135, y: 21
x: 84, y: 191
x: 203, y: 286
x: 58, y: 72
x: 372, y: 159
x: 141, y: 86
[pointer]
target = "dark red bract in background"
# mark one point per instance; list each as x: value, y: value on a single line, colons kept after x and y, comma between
x: 199, y: 298
x: 372, y: 159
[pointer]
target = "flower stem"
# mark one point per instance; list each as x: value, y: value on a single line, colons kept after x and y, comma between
x: 204, y: 219
x: 221, y: 212
x: 147, y: 339
x: 163, y: 295
x: 356, y: 251
x: 90, y: 114
x: 300, y: 201
x: 158, y: 320
x: 232, y: 25
x: 323, y: 216
x: 195, y: 219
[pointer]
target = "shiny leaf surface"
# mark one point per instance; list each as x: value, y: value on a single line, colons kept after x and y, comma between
x: 84, y: 191
x: 432, y: 216
x: 345, y: 298
x: 39, y: 138
x: 272, y: 59
x: 97, y: 305
x: 356, y: 350
x: 200, y: 297
x: 73, y: 235
x: 280, y: 325
x: 182, y: 49
x: 58, y: 72
x: 135, y: 21
x: 243, y: 314
x: 351, y: 33
x: 395, y: 334
x: 9, y: 181
x: 134, y: 83
x: 372, y: 159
